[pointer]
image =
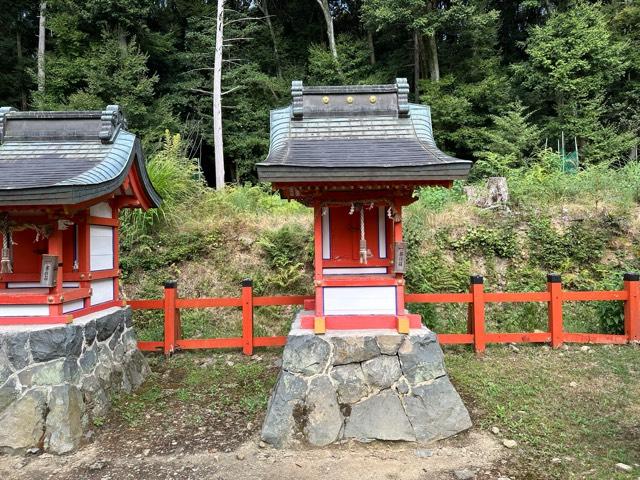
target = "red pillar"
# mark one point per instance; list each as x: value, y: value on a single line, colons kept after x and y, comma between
x: 319, y: 321
x: 477, y: 311
x: 170, y: 296
x: 632, y: 306
x: 554, y: 287
x: 55, y: 247
x: 247, y: 316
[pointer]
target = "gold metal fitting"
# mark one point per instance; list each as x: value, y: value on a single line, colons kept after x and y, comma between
x: 319, y: 325
x: 349, y: 99
x: 325, y: 100
x: 373, y: 99
x: 403, y: 324
x: 400, y: 281
x: 50, y: 299
x: 317, y: 283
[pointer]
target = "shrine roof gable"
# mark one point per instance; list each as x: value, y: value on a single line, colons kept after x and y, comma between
x: 65, y: 158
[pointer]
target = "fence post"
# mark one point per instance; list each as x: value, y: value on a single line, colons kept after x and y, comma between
x: 247, y: 316
x: 170, y: 294
x: 477, y: 313
x: 554, y: 287
x: 631, y: 306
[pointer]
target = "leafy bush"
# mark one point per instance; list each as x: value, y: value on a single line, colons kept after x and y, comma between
x: 488, y: 241
x: 287, y: 250
x: 152, y: 253
x: 253, y: 199
x: 582, y: 244
x: 436, y: 198
x: 177, y: 180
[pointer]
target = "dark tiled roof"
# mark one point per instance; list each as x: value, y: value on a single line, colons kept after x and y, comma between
x: 354, y: 133
x: 66, y: 157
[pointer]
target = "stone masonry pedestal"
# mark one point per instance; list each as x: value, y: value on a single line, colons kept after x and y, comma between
x: 56, y: 379
x: 362, y: 385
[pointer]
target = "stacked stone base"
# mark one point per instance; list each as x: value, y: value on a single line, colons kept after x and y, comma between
x: 54, y: 380
x: 362, y: 385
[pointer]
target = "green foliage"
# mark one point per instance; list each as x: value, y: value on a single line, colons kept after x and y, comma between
x: 287, y: 250
x: 435, y: 199
x: 177, y: 180
x: 252, y: 199
x: 511, y: 74
x: 352, y: 66
x: 488, y: 241
x: 507, y: 143
x: 572, y: 60
x: 155, y: 252
x: 582, y: 243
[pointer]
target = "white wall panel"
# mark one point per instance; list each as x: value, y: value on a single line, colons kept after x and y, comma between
x: 359, y: 300
x: 102, y: 291
x: 101, y: 247
x: 354, y: 270
x: 72, y: 306
x: 24, y: 310
x: 102, y: 210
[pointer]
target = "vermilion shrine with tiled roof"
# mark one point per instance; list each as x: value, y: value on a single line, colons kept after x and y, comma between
x: 355, y: 154
x: 64, y: 177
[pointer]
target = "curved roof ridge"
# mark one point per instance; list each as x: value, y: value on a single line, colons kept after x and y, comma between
x: 361, y: 136
x: 64, y: 158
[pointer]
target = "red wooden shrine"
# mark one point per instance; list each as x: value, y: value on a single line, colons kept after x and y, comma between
x: 65, y: 176
x: 355, y: 154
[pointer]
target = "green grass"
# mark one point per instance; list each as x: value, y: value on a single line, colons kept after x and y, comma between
x: 528, y: 395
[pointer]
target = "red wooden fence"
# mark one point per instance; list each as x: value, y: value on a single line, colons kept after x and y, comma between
x: 476, y: 334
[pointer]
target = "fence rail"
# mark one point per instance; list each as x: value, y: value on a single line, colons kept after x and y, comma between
x: 475, y: 335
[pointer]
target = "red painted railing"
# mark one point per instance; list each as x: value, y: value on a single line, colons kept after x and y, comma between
x: 476, y: 298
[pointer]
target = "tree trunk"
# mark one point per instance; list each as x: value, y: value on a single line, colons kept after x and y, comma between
x: 324, y: 5
x: 424, y: 66
x: 416, y: 66
x: 41, y: 46
x: 23, y: 93
x: 432, y: 50
x: 217, y: 99
x: 264, y: 8
x: 122, y: 38
x: 372, y: 51
x: 432, y: 58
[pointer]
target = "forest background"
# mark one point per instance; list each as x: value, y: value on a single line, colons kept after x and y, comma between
x: 504, y: 79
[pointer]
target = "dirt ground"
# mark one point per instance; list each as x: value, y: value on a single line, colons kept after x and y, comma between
x: 474, y: 450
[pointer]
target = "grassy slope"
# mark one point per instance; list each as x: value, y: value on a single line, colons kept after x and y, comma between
x: 219, y: 239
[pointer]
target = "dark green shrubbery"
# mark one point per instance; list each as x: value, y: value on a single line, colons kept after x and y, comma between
x: 288, y: 250
x: 500, y: 242
x: 583, y: 243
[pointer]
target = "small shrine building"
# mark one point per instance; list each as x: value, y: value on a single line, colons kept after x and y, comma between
x: 355, y: 154
x: 64, y: 177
